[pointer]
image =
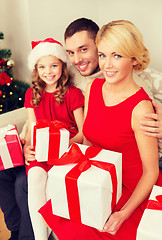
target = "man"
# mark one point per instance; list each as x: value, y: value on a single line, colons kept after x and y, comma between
x: 80, y: 45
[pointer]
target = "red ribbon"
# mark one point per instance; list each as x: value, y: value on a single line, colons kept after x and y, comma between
x: 14, y: 149
x: 75, y: 155
x: 54, y: 137
x: 155, y: 205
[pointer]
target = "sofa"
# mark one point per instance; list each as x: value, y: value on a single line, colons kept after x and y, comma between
x: 16, y: 117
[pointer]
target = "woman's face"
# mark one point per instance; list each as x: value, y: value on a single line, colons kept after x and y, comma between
x: 114, y: 66
x: 49, y: 70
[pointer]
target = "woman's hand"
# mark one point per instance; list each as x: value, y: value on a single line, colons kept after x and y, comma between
x: 114, y: 222
x: 29, y: 154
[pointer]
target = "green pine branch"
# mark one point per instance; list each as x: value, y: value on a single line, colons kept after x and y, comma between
x: 5, y: 53
x: 1, y: 35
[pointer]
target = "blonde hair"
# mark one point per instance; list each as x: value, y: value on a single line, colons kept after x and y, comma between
x: 127, y: 40
x: 39, y: 86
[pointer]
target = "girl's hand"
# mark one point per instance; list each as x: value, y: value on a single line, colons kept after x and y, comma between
x: 22, y: 141
x: 114, y: 222
x: 29, y: 154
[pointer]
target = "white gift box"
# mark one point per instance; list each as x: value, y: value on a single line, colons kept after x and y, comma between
x: 10, y: 148
x: 44, y: 149
x: 94, y: 186
x: 150, y: 227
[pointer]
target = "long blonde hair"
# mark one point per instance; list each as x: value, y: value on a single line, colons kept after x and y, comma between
x: 39, y: 86
x: 127, y: 40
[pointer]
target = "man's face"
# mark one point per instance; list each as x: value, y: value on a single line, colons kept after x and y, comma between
x: 82, y: 52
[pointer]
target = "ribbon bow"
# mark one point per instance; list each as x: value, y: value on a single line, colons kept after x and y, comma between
x: 5, y: 130
x: 53, y: 125
x: 54, y: 136
x: 75, y: 155
x: 155, y: 205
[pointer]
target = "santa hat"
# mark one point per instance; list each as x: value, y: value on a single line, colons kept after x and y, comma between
x: 46, y: 47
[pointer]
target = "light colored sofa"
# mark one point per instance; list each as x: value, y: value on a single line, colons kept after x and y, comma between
x: 16, y: 117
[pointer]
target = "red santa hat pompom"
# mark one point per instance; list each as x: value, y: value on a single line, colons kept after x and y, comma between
x: 46, y: 47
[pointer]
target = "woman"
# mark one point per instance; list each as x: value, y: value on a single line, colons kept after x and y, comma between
x: 114, y: 124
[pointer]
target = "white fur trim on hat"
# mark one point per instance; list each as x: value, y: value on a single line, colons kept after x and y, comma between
x: 45, y: 49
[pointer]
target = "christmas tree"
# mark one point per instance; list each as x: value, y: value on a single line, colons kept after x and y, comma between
x: 12, y: 92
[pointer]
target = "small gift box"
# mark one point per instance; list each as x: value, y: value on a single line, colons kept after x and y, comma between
x: 50, y: 140
x: 10, y: 148
x: 87, y: 184
x: 150, y: 227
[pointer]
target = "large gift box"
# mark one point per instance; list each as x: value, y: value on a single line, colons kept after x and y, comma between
x: 50, y: 140
x: 86, y: 184
x: 150, y: 227
x: 10, y: 148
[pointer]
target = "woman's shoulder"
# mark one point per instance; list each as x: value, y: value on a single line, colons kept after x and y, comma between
x: 144, y: 106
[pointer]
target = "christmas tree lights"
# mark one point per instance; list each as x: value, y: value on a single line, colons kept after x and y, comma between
x: 12, y: 92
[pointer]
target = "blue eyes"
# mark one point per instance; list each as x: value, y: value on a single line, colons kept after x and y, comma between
x: 53, y: 66
x: 102, y: 56
x: 117, y: 56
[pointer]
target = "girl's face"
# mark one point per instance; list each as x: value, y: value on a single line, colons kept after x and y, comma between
x: 114, y: 67
x: 50, y: 71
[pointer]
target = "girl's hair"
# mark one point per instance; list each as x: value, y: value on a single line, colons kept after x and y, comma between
x: 39, y: 86
x: 127, y: 41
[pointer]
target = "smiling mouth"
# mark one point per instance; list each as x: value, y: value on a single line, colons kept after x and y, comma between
x: 83, y: 67
x: 111, y: 74
x: 49, y: 77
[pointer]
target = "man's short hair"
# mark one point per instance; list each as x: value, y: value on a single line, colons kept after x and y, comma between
x: 81, y: 24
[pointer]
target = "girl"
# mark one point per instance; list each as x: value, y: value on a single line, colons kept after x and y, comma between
x: 51, y: 98
x: 120, y: 105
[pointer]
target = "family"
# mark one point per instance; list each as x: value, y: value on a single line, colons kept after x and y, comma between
x: 93, y: 86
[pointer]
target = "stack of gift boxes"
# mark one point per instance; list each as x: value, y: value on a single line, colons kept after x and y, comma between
x: 85, y: 183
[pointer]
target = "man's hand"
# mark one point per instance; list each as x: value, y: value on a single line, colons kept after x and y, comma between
x: 153, y: 128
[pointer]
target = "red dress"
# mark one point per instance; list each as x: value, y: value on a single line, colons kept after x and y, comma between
x: 108, y: 128
x: 50, y: 109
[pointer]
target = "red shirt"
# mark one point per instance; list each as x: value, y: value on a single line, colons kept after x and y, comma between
x: 50, y: 109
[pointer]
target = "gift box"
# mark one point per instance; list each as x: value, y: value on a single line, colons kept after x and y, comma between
x: 86, y: 184
x: 150, y: 227
x: 50, y: 140
x: 10, y: 148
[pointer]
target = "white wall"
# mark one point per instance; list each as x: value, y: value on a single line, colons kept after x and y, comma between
x: 14, y: 24
x: 24, y: 20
